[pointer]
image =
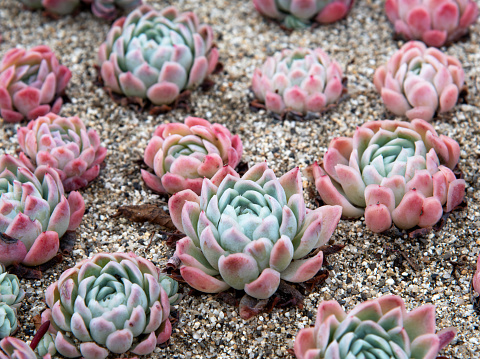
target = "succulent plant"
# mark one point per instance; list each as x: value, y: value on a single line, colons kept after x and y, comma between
x: 295, y: 14
x: 46, y: 346
x: 250, y: 232
x: 64, y: 144
x: 8, y: 320
x: 378, y: 328
x: 418, y: 81
x: 433, y: 22
x: 14, y: 348
x: 391, y: 171
x: 108, y: 303
x: 34, y: 213
x: 110, y: 9
x: 31, y: 83
x: 171, y: 288
x: 302, y: 80
x: 157, y: 54
x: 10, y: 291
x: 181, y: 155
x: 54, y: 7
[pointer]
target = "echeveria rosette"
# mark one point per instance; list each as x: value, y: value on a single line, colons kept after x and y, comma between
x: 14, y: 348
x: 156, y: 55
x: 34, y: 213
x: 65, y: 144
x: 378, y: 328
x: 108, y: 303
x: 418, y: 81
x: 10, y: 291
x: 301, y: 80
x: 110, y: 9
x: 296, y: 14
x: 250, y: 232
x: 392, y: 171
x: 436, y: 23
x: 53, y: 7
x: 8, y: 320
x: 181, y: 155
x: 31, y: 83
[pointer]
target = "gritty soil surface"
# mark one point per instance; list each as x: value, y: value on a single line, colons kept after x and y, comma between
x: 436, y: 268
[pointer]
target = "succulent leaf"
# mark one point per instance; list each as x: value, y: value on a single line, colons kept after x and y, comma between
x: 10, y: 291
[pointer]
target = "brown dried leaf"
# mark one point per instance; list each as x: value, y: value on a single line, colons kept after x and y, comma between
x: 250, y: 307
x: 67, y: 242
x: 228, y: 298
x: 37, y: 321
x: 24, y: 272
x: 317, y: 280
x: 146, y: 213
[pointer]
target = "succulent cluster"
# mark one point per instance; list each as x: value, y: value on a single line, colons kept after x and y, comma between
x: 35, y: 213
x: 108, y: 303
x: 10, y: 297
x: 181, y: 155
x: 250, y: 232
x: 155, y: 55
x: 418, y: 81
x: 391, y: 171
x: 64, y: 144
x: 436, y: 23
x: 300, y: 80
x: 295, y: 14
x: 31, y: 83
x: 378, y: 328
x: 13, y: 348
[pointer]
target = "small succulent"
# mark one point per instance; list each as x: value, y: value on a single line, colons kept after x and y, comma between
x: 433, y: 22
x: 8, y: 320
x: 301, y: 80
x: 391, y: 171
x: 108, y: 303
x: 14, y: 348
x: 476, y: 277
x: 171, y: 288
x: 10, y: 291
x: 110, y: 9
x: 418, y: 81
x: 250, y: 232
x: 46, y: 346
x: 34, y: 213
x: 53, y: 7
x: 156, y: 55
x: 31, y: 83
x: 378, y: 328
x: 297, y: 14
x: 64, y: 144
x: 181, y: 155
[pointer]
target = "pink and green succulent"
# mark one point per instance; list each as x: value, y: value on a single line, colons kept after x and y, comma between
x: 155, y: 55
x: 34, y: 213
x: 295, y: 14
x: 14, y: 348
x: 53, y: 7
x: 250, y: 232
x: 10, y: 291
x: 436, y: 23
x: 418, y: 81
x: 31, y: 83
x: 108, y: 303
x: 378, y: 328
x: 300, y: 80
x: 181, y: 155
x: 392, y: 171
x: 8, y: 320
x: 64, y: 144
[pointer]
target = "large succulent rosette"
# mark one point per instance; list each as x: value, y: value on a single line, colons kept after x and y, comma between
x: 296, y: 14
x: 392, y: 171
x: 64, y: 144
x: 418, y: 81
x: 34, y: 213
x: 53, y: 7
x: 157, y: 54
x: 10, y: 291
x: 181, y: 155
x: 108, y: 303
x: 433, y: 22
x: 301, y: 80
x: 31, y: 83
x: 250, y: 232
x: 378, y: 328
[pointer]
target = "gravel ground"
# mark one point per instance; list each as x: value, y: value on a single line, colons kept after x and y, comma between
x: 440, y: 265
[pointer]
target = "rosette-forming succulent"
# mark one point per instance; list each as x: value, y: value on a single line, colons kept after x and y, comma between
x: 156, y: 55
x: 8, y: 320
x: 378, y: 328
x: 433, y: 22
x: 181, y: 155
x: 64, y: 144
x: 296, y: 14
x: 250, y: 232
x: 418, y: 81
x: 10, y: 291
x: 301, y: 80
x: 54, y: 7
x: 31, y: 83
x: 108, y: 303
x: 391, y: 171
x: 14, y: 348
x: 34, y: 213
